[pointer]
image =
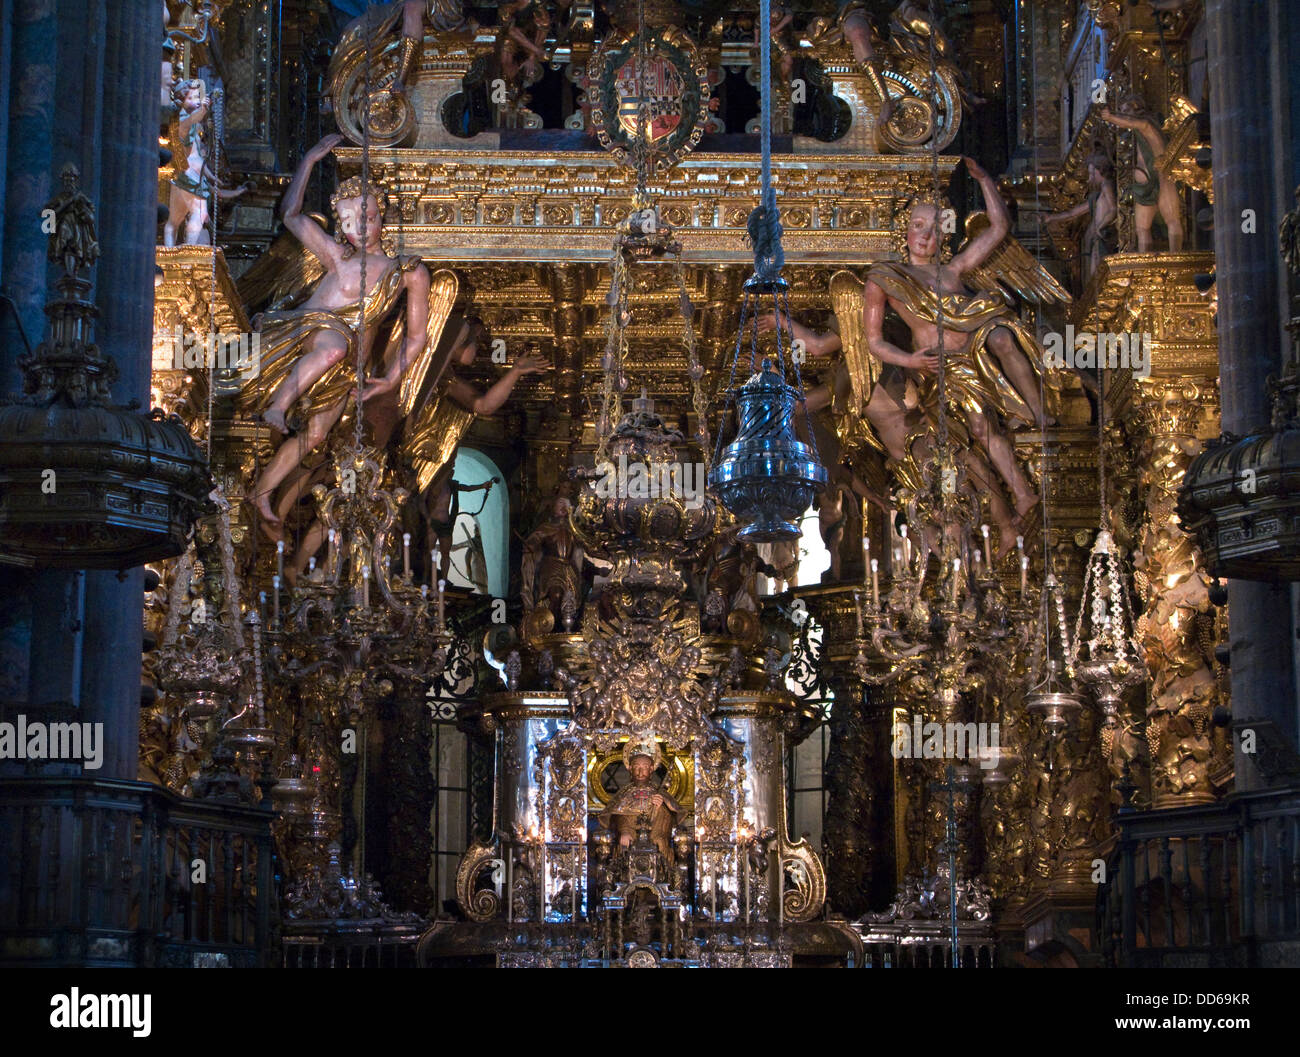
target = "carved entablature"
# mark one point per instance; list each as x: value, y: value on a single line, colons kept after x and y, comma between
x: 467, y: 206
x: 195, y: 298
x: 1155, y: 295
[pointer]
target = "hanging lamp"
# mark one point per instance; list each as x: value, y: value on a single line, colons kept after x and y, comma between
x: 767, y: 477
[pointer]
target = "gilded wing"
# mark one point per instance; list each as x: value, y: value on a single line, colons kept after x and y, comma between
x: 443, y: 287
x: 846, y: 300
x: 286, y: 270
x: 862, y: 367
x: 1011, y: 267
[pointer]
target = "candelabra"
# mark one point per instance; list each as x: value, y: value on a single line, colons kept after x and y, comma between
x: 348, y: 633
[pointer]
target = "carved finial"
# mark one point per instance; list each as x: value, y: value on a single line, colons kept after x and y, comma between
x: 73, y: 242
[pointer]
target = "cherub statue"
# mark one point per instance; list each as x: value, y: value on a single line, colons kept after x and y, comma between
x: 1100, y: 236
x: 309, y: 354
x: 192, y: 178
x: 551, y: 569
x: 1152, y: 191
x: 380, y: 22
x: 525, y: 25
x: 642, y: 806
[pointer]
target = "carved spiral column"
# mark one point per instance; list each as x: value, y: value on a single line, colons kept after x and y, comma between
x: 859, y: 837
x: 1177, y: 628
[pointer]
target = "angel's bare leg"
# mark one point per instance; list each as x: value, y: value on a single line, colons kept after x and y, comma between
x: 178, y: 209
x: 1172, y: 214
x: 311, y: 541
x: 196, y: 233
x: 985, y: 483
x: 325, y: 348
x: 290, y: 453
x: 1143, y: 218
x: 1003, y: 458
x: 1017, y: 368
x: 890, y: 422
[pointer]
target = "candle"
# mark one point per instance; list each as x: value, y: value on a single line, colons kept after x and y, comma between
x: 1024, y: 575
x: 424, y: 591
x: 365, y: 587
x: 406, y: 555
x: 435, y: 564
x: 988, y: 553
x: 331, y: 561
x: 857, y: 609
x: 907, y: 547
x: 442, y: 608
x: 311, y: 565
x: 956, y: 577
x: 866, y: 554
x: 279, y: 558
x: 875, y: 584
x: 275, y: 610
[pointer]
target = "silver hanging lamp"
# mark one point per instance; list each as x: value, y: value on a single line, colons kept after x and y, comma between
x: 766, y: 476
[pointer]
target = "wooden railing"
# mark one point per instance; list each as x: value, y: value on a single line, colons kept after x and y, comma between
x: 1204, y: 886
x: 121, y: 873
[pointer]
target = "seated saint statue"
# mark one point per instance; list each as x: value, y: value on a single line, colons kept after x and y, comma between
x: 641, y: 804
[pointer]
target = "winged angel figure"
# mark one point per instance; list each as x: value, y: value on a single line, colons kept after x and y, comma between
x: 311, y: 340
x: 995, y: 376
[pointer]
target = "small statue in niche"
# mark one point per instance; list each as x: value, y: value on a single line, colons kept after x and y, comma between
x: 1152, y: 192
x: 551, y: 570
x: 642, y: 810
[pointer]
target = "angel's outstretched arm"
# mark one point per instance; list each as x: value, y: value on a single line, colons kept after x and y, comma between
x: 308, y: 232
x: 977, y: 251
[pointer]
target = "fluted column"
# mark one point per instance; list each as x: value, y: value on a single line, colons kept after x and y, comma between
x: 1247, y: 116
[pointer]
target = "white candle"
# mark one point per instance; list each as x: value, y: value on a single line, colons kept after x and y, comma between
x: 907, y: 547
x: 275, y: 610
x: 365, y: 587
x: 330, y: 558
x: 442, y: 608
x: 1024, y: 575
x: 988, y: 553
x: 875, y: 584
x: 956, y: 577
x: 424, y: 591
x: 279, y: 557
x: 311, y: 565
x: 406, y: 555
x: 866, y: 554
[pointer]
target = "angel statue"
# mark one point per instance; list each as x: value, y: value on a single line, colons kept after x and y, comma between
x: 1099, y: 237
x: 993, y: 365
x: 1153, y: 191
x: 309, y: 354
x: 192, y: 179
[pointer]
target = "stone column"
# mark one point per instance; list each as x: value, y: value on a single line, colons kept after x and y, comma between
x: 84, y: 89
x: 1246, y: 93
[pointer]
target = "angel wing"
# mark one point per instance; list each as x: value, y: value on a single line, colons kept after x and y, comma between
x: 846, y: 300
x: 285, y: 271
x: 443, y: 287
x: 1011, y: 268
x: 863, y: 368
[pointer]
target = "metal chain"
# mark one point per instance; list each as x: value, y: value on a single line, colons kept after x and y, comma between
x: 938, y: 216
x: 218, y: 132
x: 365, y: 252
